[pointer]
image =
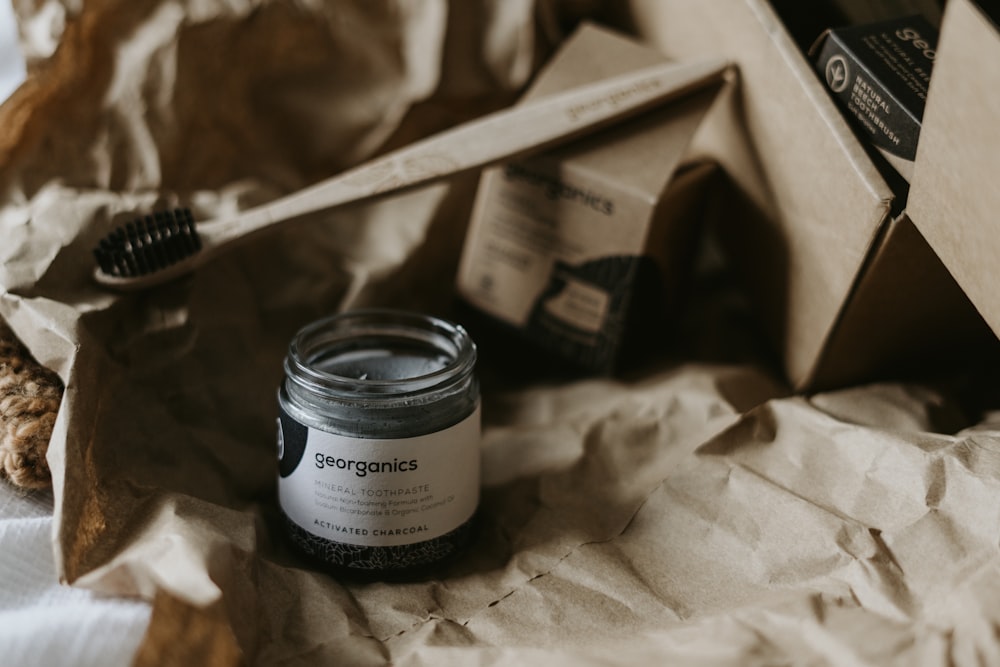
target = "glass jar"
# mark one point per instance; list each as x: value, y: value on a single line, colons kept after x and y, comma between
x: 378, y: 442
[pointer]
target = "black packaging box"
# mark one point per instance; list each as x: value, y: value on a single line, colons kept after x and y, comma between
x: 880, y: 73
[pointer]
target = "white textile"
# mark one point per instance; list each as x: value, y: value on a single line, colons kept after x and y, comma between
x: 43, y: 622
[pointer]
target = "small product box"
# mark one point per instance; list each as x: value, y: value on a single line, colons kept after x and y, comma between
x: 879, y: 73
x: 579, y: 251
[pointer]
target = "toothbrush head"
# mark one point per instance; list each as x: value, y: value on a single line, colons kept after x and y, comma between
x: 147, y: 244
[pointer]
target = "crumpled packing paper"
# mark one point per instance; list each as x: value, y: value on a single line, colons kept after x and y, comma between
x: 689, y: 511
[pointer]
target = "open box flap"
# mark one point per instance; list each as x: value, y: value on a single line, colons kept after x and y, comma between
x: 954, y: 197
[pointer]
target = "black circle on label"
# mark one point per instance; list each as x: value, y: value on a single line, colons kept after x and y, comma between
x: 293, y: 437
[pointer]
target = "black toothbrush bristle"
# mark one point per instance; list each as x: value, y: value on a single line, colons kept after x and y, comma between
x: 148, y: 244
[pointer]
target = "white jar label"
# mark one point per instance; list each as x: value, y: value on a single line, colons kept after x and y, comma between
x: 373, y: 492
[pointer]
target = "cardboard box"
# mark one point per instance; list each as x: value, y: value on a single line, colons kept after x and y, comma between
x: 954, y: 198
x: 578, y: 249
x: 823, y: 245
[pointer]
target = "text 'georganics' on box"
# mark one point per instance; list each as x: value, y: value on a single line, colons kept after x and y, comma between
x: 578, y: 250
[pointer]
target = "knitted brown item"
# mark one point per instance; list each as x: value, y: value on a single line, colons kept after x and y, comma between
x: 29, y: 400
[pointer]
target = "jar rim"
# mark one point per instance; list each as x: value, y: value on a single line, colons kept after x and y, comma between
x: 356, y: 326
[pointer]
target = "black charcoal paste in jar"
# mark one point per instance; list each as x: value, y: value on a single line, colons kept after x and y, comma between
x: 378, y: 442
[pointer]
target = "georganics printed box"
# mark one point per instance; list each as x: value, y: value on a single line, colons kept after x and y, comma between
x: 580, y: 251
x: 879, y: 74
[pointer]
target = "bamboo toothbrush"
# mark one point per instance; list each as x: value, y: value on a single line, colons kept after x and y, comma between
x: 156, y: 248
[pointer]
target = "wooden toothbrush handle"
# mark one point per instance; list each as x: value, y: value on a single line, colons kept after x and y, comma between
x: 492, y: 138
